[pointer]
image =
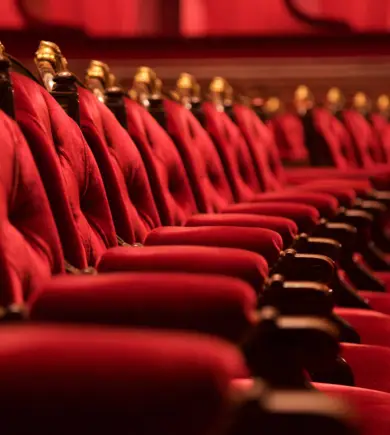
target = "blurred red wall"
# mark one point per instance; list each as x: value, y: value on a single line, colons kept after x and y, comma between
x: 129, y: 18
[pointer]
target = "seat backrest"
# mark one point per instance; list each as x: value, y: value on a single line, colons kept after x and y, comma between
x: 200, y: 158
x: 362, y: 137
x: 233, y: 152
x: 260, y: 141
x: 336, y: 142
x: 123, y: 172
x: 382, y: 129
x: 30, y: 248
x: 170, y: 185
x: 289, y: 137
x: 69, y: 173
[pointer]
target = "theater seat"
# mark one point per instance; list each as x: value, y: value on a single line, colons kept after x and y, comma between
x: 215, y: 305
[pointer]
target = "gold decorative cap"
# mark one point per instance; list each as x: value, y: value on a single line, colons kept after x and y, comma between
x: 218, y: 85
x: 272, y: 105
x: 186, y: 88
x: 302, y: 92
x: 98, y: 70
x: 360, y: 100
x: 383, y: 103
x: 2, y: 50
x: 146, y: 84
x: 334, y: 95
x: 50, y: 52
x: 186, y: 81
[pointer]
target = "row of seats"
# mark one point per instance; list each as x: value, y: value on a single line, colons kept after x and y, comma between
x: 178, y: 216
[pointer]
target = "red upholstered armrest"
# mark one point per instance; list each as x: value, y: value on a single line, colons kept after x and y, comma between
x: 236, y: 263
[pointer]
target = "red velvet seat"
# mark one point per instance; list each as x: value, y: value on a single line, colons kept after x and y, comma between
x: 11, y: 192
x: 30, y: 246
x: 240, y: 170
x: 268, y: 165
x: 171, y: 188
x: 215, y: 305
x: 96, y: 381
x: 338, y: 144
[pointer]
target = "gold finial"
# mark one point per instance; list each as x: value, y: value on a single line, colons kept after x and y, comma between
x: 333, y: 96
x: 383, y: 103
x: 98, y: 70
x: 221, y: 91
x: 146, y: 85
x: 360, y: 100
x: 272, y: 105
x: 50, y: 52
x: 302, y: 92
x: 187, y: 89
x: 185, y: 81
x: 218, y: 85
x: 2, y: 51
x: 145, y: 75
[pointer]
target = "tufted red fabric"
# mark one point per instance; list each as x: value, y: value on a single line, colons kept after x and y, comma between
x: 367, y: 149
x: 381, y: 128
x: 73, y: 183
x: 341, y: 149
x: 135, y: 374
x: 233, y: 152
x: 124, y: 176
x: 244, y: 161
x: 267, y: 163
x: 289, y: 136
x: 167, y: 175
x: 207, y: 175
x: 69, y: 173
x: 210, y: 304
x: 200, y: 158
x: 30, y: 249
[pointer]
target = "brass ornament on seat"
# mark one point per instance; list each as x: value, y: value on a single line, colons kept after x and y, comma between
x: 272, y: 105
x: 2, y: 51
x: 49, y: 61
x: 334, y: 99
x: 187, y: 90
x: 360, y: 100
x: 97, y: 77
x: 303, y: 99
x: 383, y: 103
x: 146, y: 86
x: 221, y: 93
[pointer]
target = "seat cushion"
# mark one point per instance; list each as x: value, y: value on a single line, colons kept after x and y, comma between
x: 212, y: 304
x: 326, y: 205
x: 262, y: 241
x: 285, y: 227
x: 372, y: 326
x: 372, y: 408
x: 304, y: 216
x: 102, y: 380
x: 370, y: 365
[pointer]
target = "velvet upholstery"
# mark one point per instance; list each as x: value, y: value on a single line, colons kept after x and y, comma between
x: 94, y: 380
